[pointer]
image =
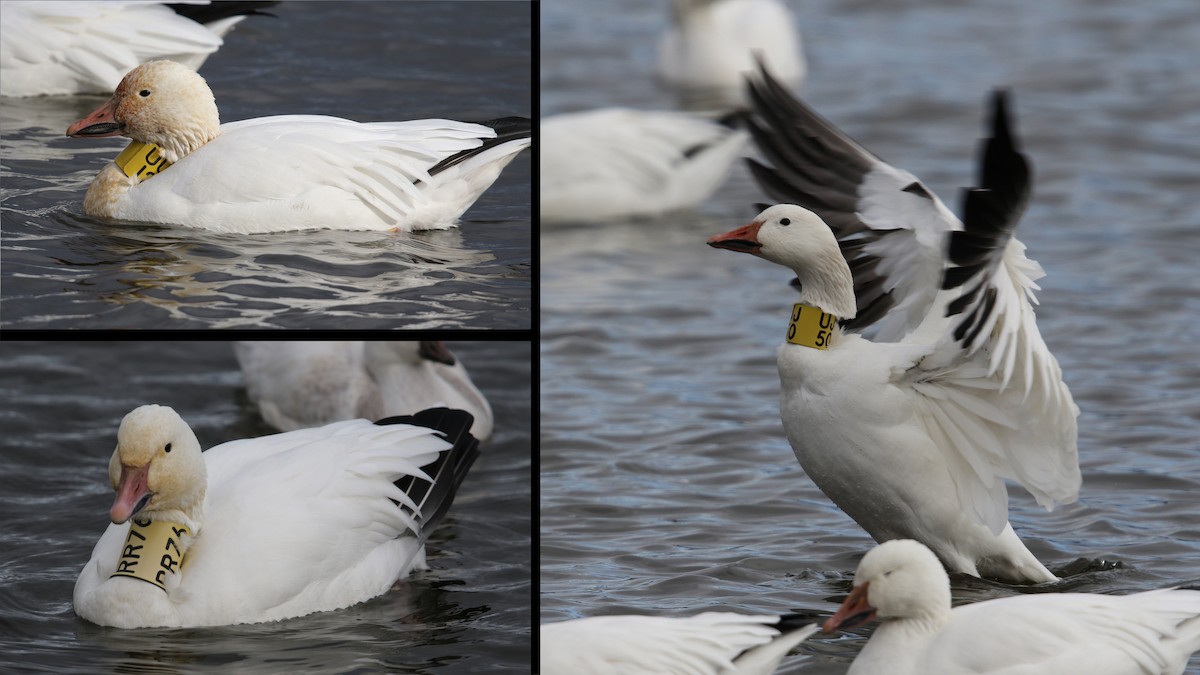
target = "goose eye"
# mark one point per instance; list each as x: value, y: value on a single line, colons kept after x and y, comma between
x: 785, y: 221
x: 168, y: 448
x: 144, y: 93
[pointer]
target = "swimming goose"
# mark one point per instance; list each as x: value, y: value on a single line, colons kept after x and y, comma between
x: 913, y: 431
x: 267, y: 528
x: 312, y: 383
x: 902, y: 584
x: 617, y: 163
x: 712, y: 44
x: 68, y: 47
x: 288, y: 172
x: 715, y: 643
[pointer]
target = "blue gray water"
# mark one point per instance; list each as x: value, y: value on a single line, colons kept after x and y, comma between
x: 667, y: 485
x: 372, y: 61
x: 61, y: 403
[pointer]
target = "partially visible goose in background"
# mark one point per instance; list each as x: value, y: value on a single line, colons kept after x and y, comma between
x: 913, y: 431
x: 187, y: 168
x: 712, y: 643
x: 267, y: 528
x: 902, y: 584
x: 300, y: 384
x: 712, y: 45
x: 72, y: 47
x: 614, y: 163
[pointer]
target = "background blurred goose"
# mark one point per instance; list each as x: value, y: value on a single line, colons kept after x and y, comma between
x: 68, y: 47
x: 302, y: 384
x: 712, y: 45
x: 615, y: 163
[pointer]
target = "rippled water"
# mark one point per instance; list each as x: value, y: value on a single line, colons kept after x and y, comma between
x: 362, y: 61
x: 61, y: 405
x: 667, y: 485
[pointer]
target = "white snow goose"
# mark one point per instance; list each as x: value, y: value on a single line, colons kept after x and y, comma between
x: 712, y: 643
x: 614, y: 163
x: 312, y: 383
x: 712, y: 44
x: 267, y: 528
x: 902, y: 584
x: 913, y: 431
x: 87, y: 47
x: 287, y: 172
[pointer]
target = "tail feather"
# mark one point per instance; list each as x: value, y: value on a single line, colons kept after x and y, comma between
x: 434, y: 499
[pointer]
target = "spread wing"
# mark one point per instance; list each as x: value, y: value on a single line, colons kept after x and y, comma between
x: 990, y: 387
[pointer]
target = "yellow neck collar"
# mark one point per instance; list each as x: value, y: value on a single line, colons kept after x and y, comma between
x: 152, y: 551
x: 811, y: 327
x: 141, y: 160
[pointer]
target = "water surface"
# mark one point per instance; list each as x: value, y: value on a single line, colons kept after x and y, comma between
x: 667, y: 485
x: 62, y: 403
x: 373, y: 61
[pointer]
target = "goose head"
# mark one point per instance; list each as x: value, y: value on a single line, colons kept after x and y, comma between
x: 798, y: 239
x: 899, y: 579
x: 157, y: 469
x: 159, y: 102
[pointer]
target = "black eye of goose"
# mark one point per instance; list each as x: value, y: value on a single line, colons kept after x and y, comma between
x: 168, y: 448
x: 144, y: 93
x: 785, y: 221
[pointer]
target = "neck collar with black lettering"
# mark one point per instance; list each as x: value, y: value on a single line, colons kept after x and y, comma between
x: 153, y: 551
x: 811, y: 327
x: 141, y: 160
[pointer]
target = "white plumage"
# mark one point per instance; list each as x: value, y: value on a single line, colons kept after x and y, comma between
x: 288, y: 172
x: 937, y: 387
x: 615, y: 163
x: 902, y: 583
x: 68, y: 47
x: 911, y: 438
x: 712, y: 45
x: 282, y: 525
x: 311, y: 383
x: 712, y: 643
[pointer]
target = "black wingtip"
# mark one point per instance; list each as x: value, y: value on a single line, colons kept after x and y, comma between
x: 510, y: 127
x: 506, y: 128
x: 990, y: 212
x: 788, y: 622
x: 453, y: 424
x: 734, y: 119
x: 216, y: 11
x: 448, y: 471
x: 1001, y: 117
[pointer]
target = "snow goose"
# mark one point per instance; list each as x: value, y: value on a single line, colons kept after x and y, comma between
x: 712, y: 44
x: 185, y: 167
x: 86, y: 47
x: 913, y: 431
x: 614, y: 163
x: 312, y: 383
x: 911, y: 438
x: 709, y: 643
x: 902, y: 583
x: 267, y: 528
